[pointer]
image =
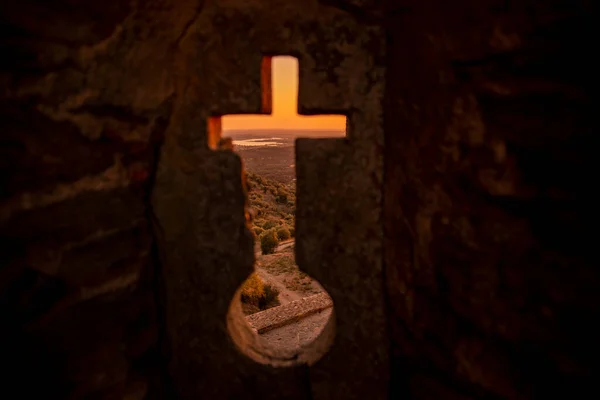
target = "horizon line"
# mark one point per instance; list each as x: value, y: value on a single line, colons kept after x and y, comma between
x: 281, y: 129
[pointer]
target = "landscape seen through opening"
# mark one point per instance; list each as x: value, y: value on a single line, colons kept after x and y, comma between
x: 266, y: 145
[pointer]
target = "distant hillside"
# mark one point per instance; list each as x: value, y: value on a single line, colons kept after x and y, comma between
x: 274, y: 158
x: 274, y: 163
x: 273, y: 203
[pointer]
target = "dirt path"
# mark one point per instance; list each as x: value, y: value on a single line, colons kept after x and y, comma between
x: 285, y: 295
x: 291, y: 283
x: 291, y: 338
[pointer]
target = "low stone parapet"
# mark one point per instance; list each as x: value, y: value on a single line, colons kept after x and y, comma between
x: 289, y: 313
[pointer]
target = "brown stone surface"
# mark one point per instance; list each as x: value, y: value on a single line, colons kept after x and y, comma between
x: 299, y: 335
x: 481, y: 151
x: 85, y: 100
x: 200, y: 205
x: 488, y: 206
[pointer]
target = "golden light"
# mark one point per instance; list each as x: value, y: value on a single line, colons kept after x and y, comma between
x: 284, y: 106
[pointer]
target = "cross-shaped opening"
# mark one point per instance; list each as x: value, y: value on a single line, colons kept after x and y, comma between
x: 266, y: 145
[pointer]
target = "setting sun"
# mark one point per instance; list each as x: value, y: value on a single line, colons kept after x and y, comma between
x: 285, y: 106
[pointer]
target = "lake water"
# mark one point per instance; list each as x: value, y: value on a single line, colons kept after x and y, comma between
x: 263, y: 142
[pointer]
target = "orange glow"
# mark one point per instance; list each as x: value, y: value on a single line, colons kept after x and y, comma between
x: 285, y: 106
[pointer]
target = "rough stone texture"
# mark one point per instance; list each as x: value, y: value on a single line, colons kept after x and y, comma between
x: 295, y: 337
x: 489, y: 205
x: 86, y: 97
x: 199, y: 202
x: 286, y: 314
x: 491, y: 278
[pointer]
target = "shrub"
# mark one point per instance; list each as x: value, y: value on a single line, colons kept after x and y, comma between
x: 271, y: 296
x: 258, y: 294
x: 269, y: 224
x: 293, y: 232
x: 253, y: 290
x: 268, y: 241
x: 257, y: 231
x: 254, y: 197
x: 282, y: 197
x: 283, y: 233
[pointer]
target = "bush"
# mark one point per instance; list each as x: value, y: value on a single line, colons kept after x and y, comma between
x: 271, y: 298
x: 283, y: 233
x: 292, y: 232
x: 268, y: 241
x: 253, y: 289
x: 258, y: 294
x: 282, y: 197
x: 257, y: 231
x: 269, y: 224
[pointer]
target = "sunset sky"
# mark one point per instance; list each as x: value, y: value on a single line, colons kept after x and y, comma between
x: 285, y: 105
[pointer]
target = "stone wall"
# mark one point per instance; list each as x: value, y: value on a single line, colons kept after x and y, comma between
x: 490, y: 267
x: 87, y: 92
x: 199, y: 202
x: 490, y: 274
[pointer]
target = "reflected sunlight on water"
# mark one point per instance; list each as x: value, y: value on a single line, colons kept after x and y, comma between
x: 266, y: 142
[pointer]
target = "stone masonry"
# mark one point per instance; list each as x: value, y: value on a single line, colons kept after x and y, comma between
x: 454, y: 227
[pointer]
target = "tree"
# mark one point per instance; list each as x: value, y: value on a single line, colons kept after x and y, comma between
x: 268, y: 241
x: 283, y: 233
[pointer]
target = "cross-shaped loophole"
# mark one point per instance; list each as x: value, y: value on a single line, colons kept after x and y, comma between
x: 266, y: 145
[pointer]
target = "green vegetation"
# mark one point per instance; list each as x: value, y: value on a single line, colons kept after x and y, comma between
x: 268, y: 241
x: 270, y: 224
x: 283, y: 233
x: 257, y: 295
x: 274, y: 206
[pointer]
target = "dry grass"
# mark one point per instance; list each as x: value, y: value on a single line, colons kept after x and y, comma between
x: 283, y: 263
x: 279, y: 263
x: 300, y: 283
